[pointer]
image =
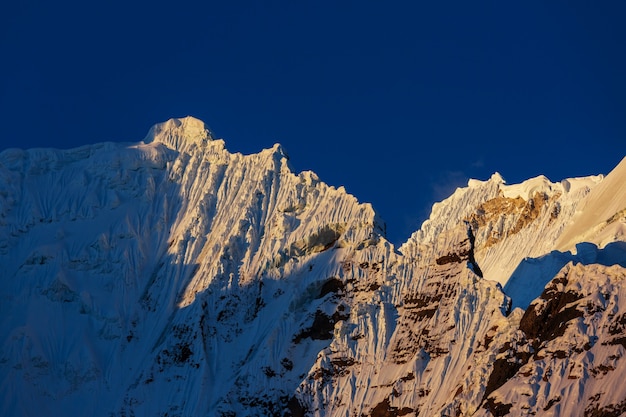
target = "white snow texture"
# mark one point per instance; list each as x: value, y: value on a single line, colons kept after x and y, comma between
x: 170, y: 277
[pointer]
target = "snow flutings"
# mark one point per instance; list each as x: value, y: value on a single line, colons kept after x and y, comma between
x: 172, y: 277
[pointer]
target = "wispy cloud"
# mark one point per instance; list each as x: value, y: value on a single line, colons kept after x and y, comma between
x: 441, y: 186
x: 446, y: 183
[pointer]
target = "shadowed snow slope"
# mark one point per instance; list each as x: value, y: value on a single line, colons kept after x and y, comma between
x: 172, y: 277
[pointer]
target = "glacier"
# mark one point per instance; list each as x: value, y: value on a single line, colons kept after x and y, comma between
x: 172, y: 277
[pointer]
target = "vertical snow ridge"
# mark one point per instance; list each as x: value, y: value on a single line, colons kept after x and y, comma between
x: 164, y: 256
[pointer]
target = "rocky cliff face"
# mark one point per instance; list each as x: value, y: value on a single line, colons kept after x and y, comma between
x: 171, y: 277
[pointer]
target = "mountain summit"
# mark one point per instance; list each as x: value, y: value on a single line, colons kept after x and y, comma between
x: 170, y: 277
x: 180, y: 134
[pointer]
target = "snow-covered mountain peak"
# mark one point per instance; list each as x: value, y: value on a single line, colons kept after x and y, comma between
x: 280, y: 150
x: 172, y: 277
x: 449, y: 212
x: 180, y: 133
x: 495, y: 178
x: 277, y: 153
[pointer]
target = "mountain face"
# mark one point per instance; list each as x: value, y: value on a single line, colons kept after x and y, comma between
x: 170, y: 277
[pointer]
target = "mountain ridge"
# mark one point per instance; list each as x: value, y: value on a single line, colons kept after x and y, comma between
x: 172, y: 277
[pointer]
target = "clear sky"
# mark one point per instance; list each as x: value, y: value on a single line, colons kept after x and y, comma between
x: 399, y: 101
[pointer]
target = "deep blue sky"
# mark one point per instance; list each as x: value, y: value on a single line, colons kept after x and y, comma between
x: 398, y: 101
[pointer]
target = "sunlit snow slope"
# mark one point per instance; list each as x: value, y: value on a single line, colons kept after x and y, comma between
x: 171, y: 277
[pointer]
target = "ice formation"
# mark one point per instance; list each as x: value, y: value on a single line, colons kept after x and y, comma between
x: 172, y: 277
